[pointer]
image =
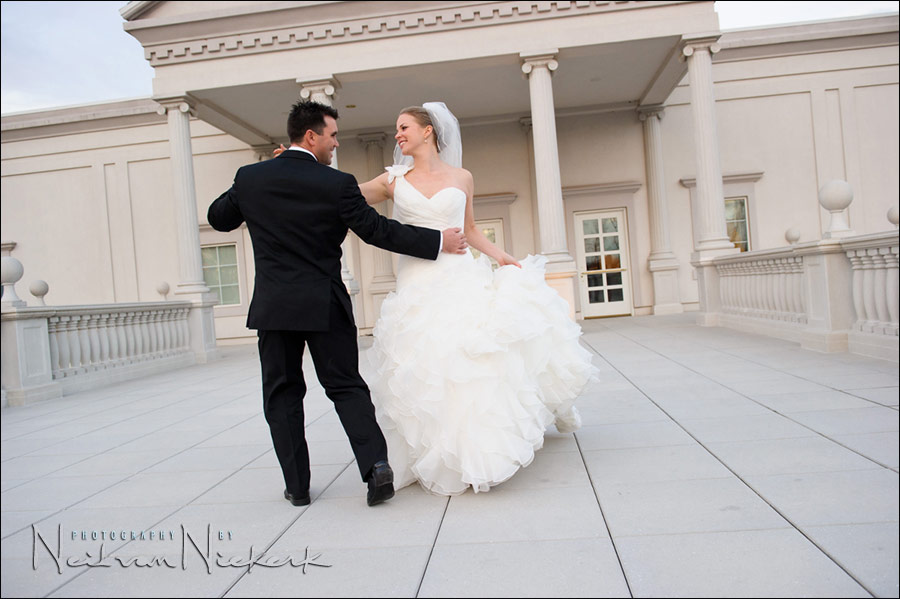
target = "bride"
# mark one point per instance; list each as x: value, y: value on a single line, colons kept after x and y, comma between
x: 472, y: 365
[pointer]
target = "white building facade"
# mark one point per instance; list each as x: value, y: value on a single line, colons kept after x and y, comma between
x: 630, y: 142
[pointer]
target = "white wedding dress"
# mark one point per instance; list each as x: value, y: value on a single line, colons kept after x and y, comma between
x: 471, y: 365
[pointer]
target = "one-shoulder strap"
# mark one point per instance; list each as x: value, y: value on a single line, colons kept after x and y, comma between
x: 397, y: 170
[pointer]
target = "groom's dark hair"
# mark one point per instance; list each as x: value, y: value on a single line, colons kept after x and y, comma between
x: 306, y: 115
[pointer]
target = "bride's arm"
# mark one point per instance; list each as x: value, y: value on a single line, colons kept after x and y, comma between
x: 377, y: 190
x: 474, y: 237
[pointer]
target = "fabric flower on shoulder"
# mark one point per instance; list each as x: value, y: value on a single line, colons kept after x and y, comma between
x: 397, y: 170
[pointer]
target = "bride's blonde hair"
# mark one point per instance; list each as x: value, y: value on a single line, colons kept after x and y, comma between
x: 424, y: 119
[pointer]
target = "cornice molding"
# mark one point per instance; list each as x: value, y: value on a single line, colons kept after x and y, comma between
x: 133, y: 10
x: 496, y: 198
x: 691, y: 182
x: 465, y: 16
x: 601, y: 189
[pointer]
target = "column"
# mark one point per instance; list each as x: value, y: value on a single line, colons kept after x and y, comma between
x: 383, y: 278
x: 324, y: 91
x: 662, y: 262
x: 191, y: 285
x: 384, y: 265
x: 711, y: 237
x: 561, y: 268
x: 181, y: 158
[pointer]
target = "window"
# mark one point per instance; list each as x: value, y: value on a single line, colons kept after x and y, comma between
x: 736, y: 222
x: 493, y: 230
x: 220, y: 271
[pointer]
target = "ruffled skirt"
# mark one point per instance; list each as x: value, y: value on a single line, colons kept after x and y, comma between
x: 471, y: 366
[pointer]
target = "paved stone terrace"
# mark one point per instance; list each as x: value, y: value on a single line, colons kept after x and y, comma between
x: 712, y: 463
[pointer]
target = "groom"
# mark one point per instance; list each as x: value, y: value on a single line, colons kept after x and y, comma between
x: 298, y: 210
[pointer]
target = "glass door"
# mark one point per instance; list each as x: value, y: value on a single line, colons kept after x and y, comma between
x: 604, y: 280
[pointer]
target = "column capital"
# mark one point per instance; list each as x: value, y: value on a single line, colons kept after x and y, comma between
x: 545, y: 59
x: 709, y: 43
x: 653, y: 110
x: 264, y: 151
x: 372, y: 139
x: 326, y: 85
x: 185, y: 103
x: 526, y: 124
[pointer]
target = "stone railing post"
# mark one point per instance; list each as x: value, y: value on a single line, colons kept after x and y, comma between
x: 27, y: 369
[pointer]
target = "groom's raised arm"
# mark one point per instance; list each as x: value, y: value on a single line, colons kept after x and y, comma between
x: 224, y: 214
x: 382, y: 232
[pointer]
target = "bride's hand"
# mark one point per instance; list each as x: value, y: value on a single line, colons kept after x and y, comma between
x: 278, y: 151
x: 507, y: 260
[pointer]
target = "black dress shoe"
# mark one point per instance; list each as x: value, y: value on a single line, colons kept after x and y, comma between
x: 297, y: 499
x: 381, y: 483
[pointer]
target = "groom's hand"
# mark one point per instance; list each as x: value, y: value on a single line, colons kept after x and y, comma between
x: 454, y: 241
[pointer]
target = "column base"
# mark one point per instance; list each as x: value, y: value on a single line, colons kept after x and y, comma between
x: 30, y: 395
x: 564, y: 284
x: 202, y: 325
x: 666, y: 296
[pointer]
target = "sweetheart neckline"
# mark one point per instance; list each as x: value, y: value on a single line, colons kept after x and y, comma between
x: 434, y: 194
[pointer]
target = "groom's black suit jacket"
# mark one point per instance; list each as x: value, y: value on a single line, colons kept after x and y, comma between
x: 298, y: 212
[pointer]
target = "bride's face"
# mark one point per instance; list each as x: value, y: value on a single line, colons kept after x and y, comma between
x: 411, y: 135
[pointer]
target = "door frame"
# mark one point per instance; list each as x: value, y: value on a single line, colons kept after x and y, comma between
x: 626, y: 268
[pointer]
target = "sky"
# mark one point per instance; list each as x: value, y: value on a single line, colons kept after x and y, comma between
x: 69, y: 53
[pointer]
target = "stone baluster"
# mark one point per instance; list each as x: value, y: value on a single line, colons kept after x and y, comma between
x: 869, y: 292
x: 168, y: 331
x: 131, y: 338
x: 185, y: 332
x: 801, y: 290
x: 892, y: 287
x: 153, y: 341
x: 103, y: 334
x: 53, y: 332
x: 880, y: 291
x: 71, y: 323
x: 159, y: 321
x: 122, y: 335
x: 85, y: 341
x: 92, y: 321
x: 145, y: 334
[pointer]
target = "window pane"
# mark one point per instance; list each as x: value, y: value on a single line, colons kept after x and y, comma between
x: 616, y: 295
x: 590, y: 227
x: 209, y: 256
x: 614, y: 278
x: 595, y: 280
x: 592, y: 263
x: 591, y: 244
x: 490, y: 233
x: 231, y: 294
x: 612, y: 261
x: 228, y: 275
x: 734, y: 209
x: 595, y: 297
x: 218, y: 292
x: 611, y: 244
x: 227, y: 254
x: 610, y: 225
x: 211, y: 277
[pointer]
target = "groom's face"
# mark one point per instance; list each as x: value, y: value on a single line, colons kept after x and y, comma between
x: 323, y: 145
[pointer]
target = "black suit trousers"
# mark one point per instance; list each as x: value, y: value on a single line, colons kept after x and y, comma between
x: 336, y: 358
